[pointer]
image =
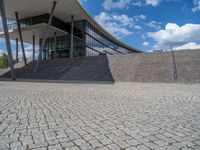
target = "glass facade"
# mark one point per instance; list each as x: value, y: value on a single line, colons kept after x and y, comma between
x: 60, y: 46
x: 88, y: 41
x: 97, y: 41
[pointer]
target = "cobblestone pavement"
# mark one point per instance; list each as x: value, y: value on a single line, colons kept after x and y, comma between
x: 123, y: 116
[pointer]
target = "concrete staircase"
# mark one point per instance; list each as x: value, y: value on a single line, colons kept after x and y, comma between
x: 80, y: 69
x: 145, y: 67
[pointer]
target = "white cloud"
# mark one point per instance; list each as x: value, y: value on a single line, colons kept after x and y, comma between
x: 176, y: 35
x: 110, y: 4
x: 115, y: 24
x: 140, y: 17
x: 154, y: 24
x: 124, y: 20
x: 197, y: 5
x: 145, y: 44
x: 137, y: 27
x: 137, y: 3
x: 153, y: 2
x: 121, y: 4
x: 190, y: 45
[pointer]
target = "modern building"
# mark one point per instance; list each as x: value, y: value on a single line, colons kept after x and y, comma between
x: 60, y: 28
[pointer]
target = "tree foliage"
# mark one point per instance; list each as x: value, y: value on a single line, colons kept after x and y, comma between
x: 4, y: 61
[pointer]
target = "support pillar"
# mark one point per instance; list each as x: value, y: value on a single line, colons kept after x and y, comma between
x: 33, y: 47
x: 17, y: 50
x: 7, y: 39
x: 72, y: 37
x: 46, y: 35
x: 20, y: 36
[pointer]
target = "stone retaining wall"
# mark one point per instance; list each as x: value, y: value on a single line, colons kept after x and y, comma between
x: 145, y: 67
x: 156, y: 67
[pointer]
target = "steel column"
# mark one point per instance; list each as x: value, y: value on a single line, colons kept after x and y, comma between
x: 20, y: 36
x: 7, y: 39
x: 72, y: 37
x: 17, y: 50
x: 33, y: 47
x: 46, y: 35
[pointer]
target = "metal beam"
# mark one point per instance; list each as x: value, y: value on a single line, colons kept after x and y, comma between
x: 20, y: 36
x: 33, y: 47
x: 72, y: 37
x: 45, y: 38
x: 17, y: 50
x: 7, y: 39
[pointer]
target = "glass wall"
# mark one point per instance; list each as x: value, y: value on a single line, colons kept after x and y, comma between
x: 87, y: 42
x: 61, y: 46
x: 97, y: 41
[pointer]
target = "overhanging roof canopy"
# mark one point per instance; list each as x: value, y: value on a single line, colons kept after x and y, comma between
x: 63, y: 11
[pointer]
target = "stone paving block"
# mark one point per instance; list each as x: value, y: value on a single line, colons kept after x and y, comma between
x: 55, y: 147
x: 123, y: 144
x: 106, y: 141
x: 73, y: 148
x: 132, y: 148
x: 115, y: 117
x: 88, y: 137
x: 151, y: 145
x: 103, y: 148
x: 160, y: 142
x: 133, y: 142
x: 143, y: 147
x: 67, y: 144
x: 79, y: 141
x: 113, y: 147
x: 85, y: 146
x: 95, y: 143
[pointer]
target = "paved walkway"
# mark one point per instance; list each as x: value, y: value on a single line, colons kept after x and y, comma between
x: 123, y: 116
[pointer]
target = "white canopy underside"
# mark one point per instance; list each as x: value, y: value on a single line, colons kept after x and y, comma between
x: 63, y: 11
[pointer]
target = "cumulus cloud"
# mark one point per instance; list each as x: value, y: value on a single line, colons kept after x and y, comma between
x: 154, y: 24
x: 110, y: 4
x: 145, y: 44
x: 115, y: 24
x: 137, y: 27
x: 153, y: 2
x: 176, y: 35
x: 190, y: 45
x: 120, y: 4
x: 140, y: 17
x: 197, y: 5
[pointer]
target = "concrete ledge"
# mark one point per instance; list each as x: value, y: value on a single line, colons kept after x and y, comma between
x: 58, y: 81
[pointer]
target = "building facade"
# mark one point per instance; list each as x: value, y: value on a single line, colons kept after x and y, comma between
x: 82, y: 35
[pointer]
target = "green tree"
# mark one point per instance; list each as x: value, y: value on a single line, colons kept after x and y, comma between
x: 4, y: 61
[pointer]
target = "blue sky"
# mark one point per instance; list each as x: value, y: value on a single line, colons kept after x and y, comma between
x: 146, y: 24
x: 149, y: 24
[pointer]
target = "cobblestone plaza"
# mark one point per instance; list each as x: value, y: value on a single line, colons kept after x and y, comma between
x: 121, y: 116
